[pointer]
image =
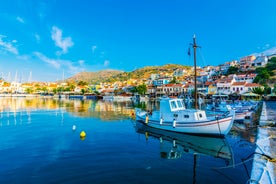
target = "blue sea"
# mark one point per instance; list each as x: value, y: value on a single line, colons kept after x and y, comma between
x: 38, y: 144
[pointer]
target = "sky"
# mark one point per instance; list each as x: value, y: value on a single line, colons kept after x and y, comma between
x: 50, y: 40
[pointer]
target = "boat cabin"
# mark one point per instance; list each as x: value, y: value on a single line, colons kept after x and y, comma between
x: 171, y: 104
x: 174, y: 109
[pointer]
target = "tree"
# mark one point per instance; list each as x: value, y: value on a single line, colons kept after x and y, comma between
x: 174, y: 81
x: 82, y: 83
x: 71, y: 87
x: 258, y: 90
x: 59, y: 89
x: 44, y: 89
x: 232, y: 70
x: 274, y: 88
x: 29, y: 90
x: 262, y: 76
x: 271, y: 65
x: 267, y: 89
x: 140, y: 89
x: 83, y: 91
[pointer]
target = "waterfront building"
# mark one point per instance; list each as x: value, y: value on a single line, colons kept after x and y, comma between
x: 246, y: 62
x: 249, y: 86
x: 179, y: 72
x: 189, y: 87
x: 224, y: 67
x: 151, y: 91
x: 260, y: 61
x: 154, y: 76
x: 248, y: 78
x: 212, y: 89
x: 161, y: 81
x: 224, y: 84
x: 173, y: 89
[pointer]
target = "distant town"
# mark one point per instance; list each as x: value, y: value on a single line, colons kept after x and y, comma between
x: 250, y: 74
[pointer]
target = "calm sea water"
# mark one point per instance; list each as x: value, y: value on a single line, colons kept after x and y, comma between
x: 38, y: 145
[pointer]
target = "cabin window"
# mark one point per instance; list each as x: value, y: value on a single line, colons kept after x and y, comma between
x: 179, y: 104
x: 200, y: 115
x: 175, y: 115
x: 186, y: 116
x: 173, y: 105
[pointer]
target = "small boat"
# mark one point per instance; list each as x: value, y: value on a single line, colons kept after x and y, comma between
x: 173, y: 116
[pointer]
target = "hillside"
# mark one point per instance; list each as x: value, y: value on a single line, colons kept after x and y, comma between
x: 93, y: 77
x: 115, y: 75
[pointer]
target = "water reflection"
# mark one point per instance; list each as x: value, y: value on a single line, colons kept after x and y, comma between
x: 103, y: 110
x: 205, y: 154
x: 174, y: 145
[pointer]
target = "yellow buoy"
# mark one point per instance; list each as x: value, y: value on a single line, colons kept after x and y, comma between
x: 82, y: 134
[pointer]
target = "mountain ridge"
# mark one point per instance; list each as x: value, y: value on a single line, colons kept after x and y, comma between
x: 118, y: 75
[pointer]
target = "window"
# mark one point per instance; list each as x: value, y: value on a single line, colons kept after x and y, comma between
x: 173, y: 105
x: 200, y: 115
x: 186, y: 116
x: 179, y: 104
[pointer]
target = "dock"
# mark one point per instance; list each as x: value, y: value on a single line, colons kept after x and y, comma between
x: 264, y: 163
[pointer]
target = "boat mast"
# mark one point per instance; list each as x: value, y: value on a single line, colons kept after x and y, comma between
x: 195, y: 46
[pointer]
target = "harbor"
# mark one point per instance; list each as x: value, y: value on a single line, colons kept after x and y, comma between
x: 82, y: 140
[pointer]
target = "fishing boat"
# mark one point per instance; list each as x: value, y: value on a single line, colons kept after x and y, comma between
x: 173, y: 116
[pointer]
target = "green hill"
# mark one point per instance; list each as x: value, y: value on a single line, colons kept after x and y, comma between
x: 93, y: 77
x: 115, y: 75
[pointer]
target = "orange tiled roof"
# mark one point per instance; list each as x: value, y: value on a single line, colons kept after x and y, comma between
x: 252, y: 85
x: 238, y: 83
x: 172, y: 85
x: 208, y: 83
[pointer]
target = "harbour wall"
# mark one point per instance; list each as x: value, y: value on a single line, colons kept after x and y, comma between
x: 264, y: 163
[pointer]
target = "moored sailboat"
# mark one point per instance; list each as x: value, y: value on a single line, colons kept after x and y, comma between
x: 173, y: 116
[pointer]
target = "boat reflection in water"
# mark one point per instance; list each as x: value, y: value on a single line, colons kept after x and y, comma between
x: 173, y: 145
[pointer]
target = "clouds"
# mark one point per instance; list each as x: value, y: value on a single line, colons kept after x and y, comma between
x: 62, y: 42
x: 106, y: 63
x: 266, y: 50
x: 94, y: 47
x: 37, y: 37
x: 54, y: 63
x: 8, y: 46
x: 20, y: 19
x: 269, y: 51
x: 61, y: 63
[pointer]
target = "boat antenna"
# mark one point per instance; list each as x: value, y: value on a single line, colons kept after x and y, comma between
x: 195, y: 46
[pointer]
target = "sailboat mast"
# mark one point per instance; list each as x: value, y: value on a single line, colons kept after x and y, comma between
x: 195, y: 46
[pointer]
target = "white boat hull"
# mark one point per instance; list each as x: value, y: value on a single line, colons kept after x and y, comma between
x: 216, y: 127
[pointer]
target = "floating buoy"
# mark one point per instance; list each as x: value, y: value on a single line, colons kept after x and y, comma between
x: 82, y: 134
x: 74, y: 127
